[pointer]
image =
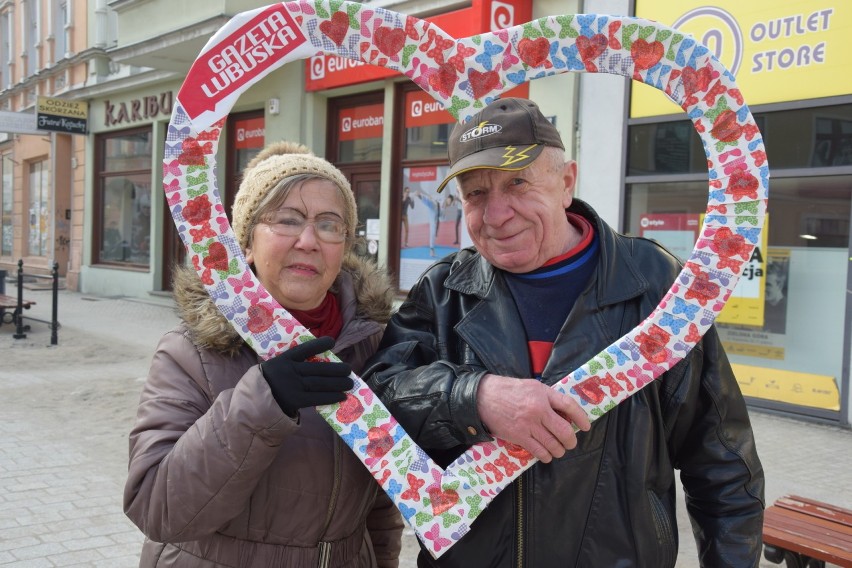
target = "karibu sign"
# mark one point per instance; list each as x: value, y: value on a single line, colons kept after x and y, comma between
x: 60, y: 115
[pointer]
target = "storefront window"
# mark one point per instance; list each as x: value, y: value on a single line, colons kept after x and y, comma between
x: 783, y: 328
x: 39, y: 187
x: 124, y: 198
x: 801, y: 138
x: 6, y: 196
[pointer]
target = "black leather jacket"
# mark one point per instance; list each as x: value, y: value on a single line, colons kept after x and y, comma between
x: 611, y: 500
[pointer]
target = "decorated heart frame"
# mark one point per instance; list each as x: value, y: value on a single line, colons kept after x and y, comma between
x: 465, y: 75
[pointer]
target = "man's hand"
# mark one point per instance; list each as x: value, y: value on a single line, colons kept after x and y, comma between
x: 530, y: 414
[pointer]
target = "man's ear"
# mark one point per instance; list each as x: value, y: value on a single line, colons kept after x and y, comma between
x: 569, y: 177
x: 249, y: 256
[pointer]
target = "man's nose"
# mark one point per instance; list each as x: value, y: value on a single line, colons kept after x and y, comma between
x: 498, y: 209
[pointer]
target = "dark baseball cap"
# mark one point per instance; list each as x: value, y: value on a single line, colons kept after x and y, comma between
x: 509, y: 134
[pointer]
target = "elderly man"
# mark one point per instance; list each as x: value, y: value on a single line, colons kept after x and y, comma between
x: 473, y: 350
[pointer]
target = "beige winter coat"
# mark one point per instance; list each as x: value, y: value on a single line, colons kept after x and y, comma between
x: 220, y: 476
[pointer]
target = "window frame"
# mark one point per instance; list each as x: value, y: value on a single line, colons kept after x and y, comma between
x: 101, y: 174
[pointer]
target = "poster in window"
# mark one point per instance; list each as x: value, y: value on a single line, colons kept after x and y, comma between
x: 746, y: 304
x: 775, y: 298
x: 675, y: 231
x: 431, y: 224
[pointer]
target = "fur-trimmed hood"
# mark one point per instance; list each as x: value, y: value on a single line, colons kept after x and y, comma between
x: 210, y: 329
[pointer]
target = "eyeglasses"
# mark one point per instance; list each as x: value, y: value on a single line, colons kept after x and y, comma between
x: 292, y: 224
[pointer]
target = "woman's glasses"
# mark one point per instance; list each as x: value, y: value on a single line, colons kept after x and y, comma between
x: 292, y: 223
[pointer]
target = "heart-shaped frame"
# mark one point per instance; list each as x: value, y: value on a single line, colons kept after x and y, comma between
x: 465, y: 75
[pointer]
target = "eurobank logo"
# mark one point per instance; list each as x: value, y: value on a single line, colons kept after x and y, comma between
x: 502, y: 15
x: 324, y: 65
x: 317, y: 66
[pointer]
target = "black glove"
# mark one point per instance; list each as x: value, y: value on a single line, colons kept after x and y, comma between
x: 296, y: 383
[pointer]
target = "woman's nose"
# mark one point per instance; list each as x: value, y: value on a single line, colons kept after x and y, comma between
x: 308, y: 237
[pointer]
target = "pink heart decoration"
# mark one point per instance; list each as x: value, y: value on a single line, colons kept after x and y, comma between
x: 460, y: 75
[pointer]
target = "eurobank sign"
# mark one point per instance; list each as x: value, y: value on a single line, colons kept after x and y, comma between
x: 777, y: 50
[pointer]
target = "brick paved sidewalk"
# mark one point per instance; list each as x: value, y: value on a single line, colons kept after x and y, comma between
x: 67, y: 409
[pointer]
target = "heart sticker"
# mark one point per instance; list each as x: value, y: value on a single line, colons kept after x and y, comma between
x: 464, y: 75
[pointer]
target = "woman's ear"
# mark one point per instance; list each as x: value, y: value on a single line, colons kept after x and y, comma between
x: 249, y: 256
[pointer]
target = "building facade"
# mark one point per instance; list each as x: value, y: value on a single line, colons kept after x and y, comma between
x: 45, y: 58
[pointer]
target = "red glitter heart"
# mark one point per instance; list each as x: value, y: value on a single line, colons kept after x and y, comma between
x: 534, y: 52
x: 389, y: 41
x: 350, y: 410
x: 646, y: 55
x: 336, y: 27
x: 380, y: 442
x: 197, y: 211
x: 442, y: 501
x: 217, y: 257
x: 482, y: 83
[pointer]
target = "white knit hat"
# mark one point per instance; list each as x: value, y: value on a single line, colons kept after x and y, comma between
x: 274, y: 163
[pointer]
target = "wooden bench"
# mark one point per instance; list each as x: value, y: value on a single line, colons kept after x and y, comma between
x: 806, y: 534
x: 10, y: 303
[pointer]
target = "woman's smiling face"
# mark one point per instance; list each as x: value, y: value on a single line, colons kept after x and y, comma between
x: 298, y: 270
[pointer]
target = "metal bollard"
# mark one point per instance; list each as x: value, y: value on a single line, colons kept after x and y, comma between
x: 54, y: 324
x: 19, y: 311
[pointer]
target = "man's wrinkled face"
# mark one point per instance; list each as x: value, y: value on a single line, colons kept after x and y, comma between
x: 517, y: 219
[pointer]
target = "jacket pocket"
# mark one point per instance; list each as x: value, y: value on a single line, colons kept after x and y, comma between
x: 664, y: 527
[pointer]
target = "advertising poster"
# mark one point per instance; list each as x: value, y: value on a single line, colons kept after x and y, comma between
x: 432, y: 225
x: 767, y: 340
x: 675, y: 231
x: 746, y: 306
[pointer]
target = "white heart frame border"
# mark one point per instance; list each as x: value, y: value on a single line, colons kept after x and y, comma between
x: 464, y: 74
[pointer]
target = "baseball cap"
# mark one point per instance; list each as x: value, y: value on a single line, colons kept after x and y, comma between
x: 508, y: 134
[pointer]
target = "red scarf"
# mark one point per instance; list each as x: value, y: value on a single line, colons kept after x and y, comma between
x: 323, y: 320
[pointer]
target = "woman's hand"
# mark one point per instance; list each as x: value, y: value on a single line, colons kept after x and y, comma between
x: 296, y: 383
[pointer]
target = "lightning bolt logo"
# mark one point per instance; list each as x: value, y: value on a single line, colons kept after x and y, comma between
x: 513, y: 155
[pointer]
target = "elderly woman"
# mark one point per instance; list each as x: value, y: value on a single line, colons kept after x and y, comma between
x: 230, y: 465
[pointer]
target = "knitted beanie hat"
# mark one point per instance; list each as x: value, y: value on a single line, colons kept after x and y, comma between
x: 274, y: 163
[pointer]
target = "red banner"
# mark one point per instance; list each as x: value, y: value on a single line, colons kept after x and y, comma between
x: 361, y: 122
x: 249, y: 133
x: 422, y: 110
x: 238, y: 58
x: 426, y: 173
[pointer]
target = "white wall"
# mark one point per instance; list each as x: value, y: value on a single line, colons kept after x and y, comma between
x: 601, y: 127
